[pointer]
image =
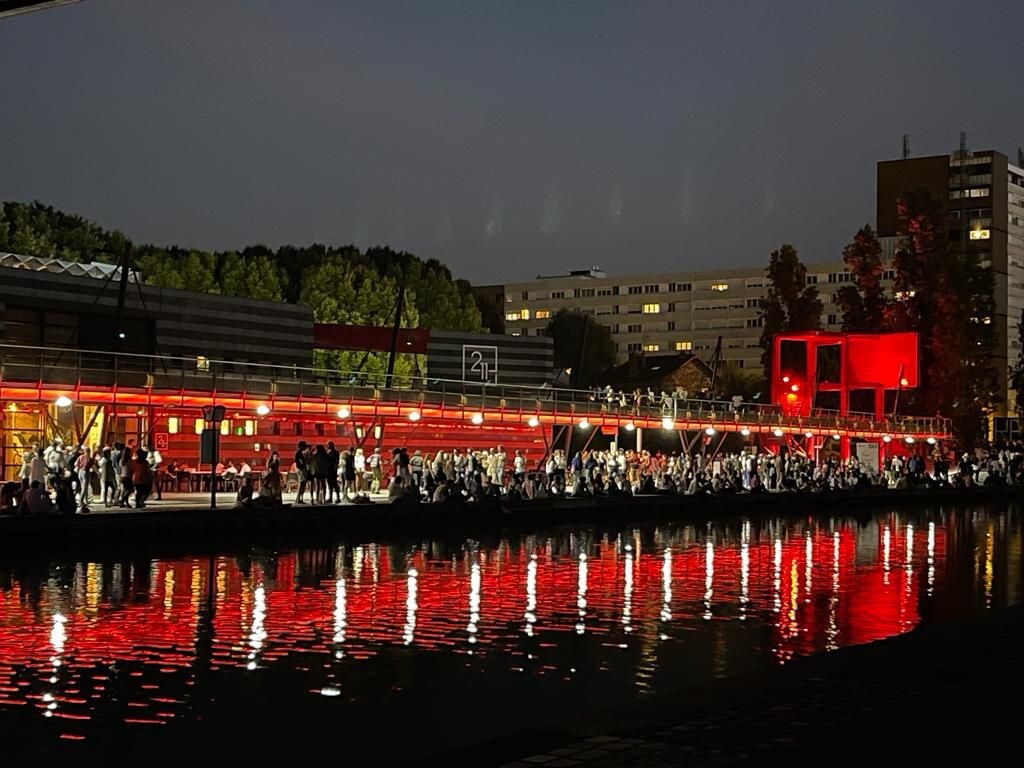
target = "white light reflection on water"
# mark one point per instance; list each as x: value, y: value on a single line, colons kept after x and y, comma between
x: 808, y: 566
x: 475, y: 579
x: 666, y: 586
x: 581, y: 594
x: 411, y: 606
x: 931, y: 558
x: 777, y: 575
x: 709, y: 577
x: 886, y: 543
x: 627, y: 591
x: 744, y: 569
x: 908, y: 561
x: 531, y: 596
x: 832, y: 629
x: 257, y: 634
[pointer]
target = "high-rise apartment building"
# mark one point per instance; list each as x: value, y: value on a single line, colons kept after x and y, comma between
x: 983, y: 195
x: 663, y: 312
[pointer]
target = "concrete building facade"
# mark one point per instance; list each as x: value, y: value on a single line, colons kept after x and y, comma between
x: 686, y: 311
x: 983, y: 194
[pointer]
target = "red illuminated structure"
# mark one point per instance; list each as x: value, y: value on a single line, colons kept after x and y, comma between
x: 816, y: 371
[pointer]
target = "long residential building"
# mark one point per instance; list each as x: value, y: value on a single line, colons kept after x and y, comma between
x: 663, y: 312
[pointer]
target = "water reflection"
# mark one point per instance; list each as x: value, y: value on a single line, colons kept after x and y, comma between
x: 643, y: 610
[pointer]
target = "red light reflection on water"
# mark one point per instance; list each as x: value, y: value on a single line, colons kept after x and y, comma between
x: 68, y: 637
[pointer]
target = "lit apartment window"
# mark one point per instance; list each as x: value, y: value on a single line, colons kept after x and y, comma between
x: 684, y: 346
x: 719, y: 286
x: 652, y: 309
x: 543, y: 314
x: 980, y: 234
x: 511, y: 316
x: 651, y: 347
x: 904, y: 295
x: 522, y: 314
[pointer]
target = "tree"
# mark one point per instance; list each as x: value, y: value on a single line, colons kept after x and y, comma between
x: 582, y: 345
x: 733, y: 380
x: 354, y: 294
x: 1017, y: 372
x: 863, y: 304
x: 252, y: 277
x: 790, y: 303
x: 492, y: 316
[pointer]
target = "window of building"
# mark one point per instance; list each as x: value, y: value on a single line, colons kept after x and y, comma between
x: 678, y: 287
x: 889, y: 274
x: 904, y: 295
x: 684, y: 346
x: 511, y: 316
x: 584, y: 293
x: 671, y: 325
x: 652, y: 309
x: 651, y: 347
x: 634, y: 346
x: 635, y: 289
x: 755, y: 282
x: 740, y: 363
x: 981, y: 234
x: 558, y: 294
x: 833, y: 320
x: 525, y: 296
x: 541, y: 332
x: 840, y: 277
x: 651, y: 288
x: 753, y: 303
x: 543, y: 314
x: 719, y: 287
x: 754, y: 322
x: 613, y: 291
x: 633, y: 328
x: 811, y: 279
x: 671, y: 307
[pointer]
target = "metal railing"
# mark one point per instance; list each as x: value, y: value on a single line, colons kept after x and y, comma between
x: 75, y: 369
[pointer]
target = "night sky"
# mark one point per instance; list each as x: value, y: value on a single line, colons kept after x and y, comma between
x: 504, y: 138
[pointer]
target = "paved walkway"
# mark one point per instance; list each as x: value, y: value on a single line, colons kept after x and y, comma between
x: 942, y: 691
x: 175, y: 500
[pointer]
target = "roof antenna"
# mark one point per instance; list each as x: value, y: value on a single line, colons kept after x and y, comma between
x: 963, y: 143
x: 906, y: 145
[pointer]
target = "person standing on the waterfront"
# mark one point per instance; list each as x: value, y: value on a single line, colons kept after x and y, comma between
x: 374, y: 464
x: 302, y: 470
x: 334, y: 459
x: 349, y: 461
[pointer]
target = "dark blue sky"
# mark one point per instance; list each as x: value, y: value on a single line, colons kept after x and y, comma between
x: 505, y: 138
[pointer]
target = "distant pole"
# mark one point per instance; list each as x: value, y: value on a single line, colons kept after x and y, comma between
x: 906, y: 146
x: 399, y: 307
x: 122, y: 290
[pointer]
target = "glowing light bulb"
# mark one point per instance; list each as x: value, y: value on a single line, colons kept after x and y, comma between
x: 262, y: 409
x: 344, y: 413
x: 534, y: 421
x: 63, y: 401
x: 477, y: 418
x: 414, y: 415
x: 668, y: 423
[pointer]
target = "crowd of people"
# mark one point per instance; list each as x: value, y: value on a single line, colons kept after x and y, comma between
x: 679, y: 399
x: 61, y: 479
x: 67, y: 479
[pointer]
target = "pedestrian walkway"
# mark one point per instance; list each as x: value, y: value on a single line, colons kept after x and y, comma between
x: 941, y: 691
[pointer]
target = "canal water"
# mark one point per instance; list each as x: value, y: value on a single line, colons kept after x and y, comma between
x: 448, y: 642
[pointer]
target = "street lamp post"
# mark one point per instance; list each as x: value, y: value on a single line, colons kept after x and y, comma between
x: 213, y: 415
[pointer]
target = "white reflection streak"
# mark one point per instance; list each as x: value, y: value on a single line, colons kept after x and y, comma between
x: 832, y: 632
x: 666, y: 586
x: 709, y: 578
x: 744, y: 569
x: 58, y: 638
x: 808, y: 565
x: 257, y: 635
x: 909, y: 560
x: 411, y: 605
x: 581, y: 594
x: 627, y: 591
x: 886, y: 540
x: 777, y: 581
x: 474, y: 601
x: 531, y: 596
x: 931, y: 557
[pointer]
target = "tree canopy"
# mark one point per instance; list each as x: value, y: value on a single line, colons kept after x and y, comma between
x: 790, y: 304
x: 340, y: 283
x: 582, y: 345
